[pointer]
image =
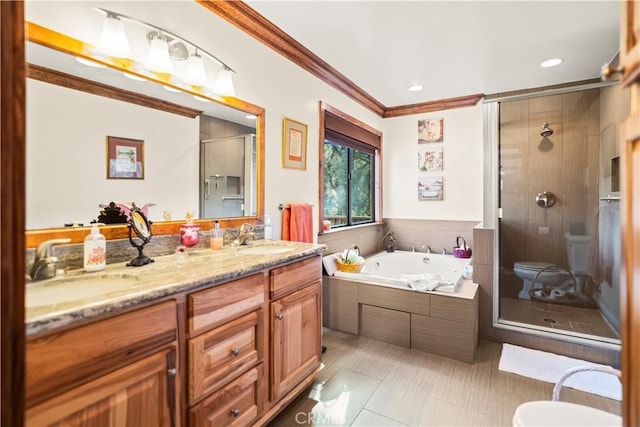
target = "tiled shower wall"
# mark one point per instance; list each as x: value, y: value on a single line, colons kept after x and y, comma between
x: 565, y: 163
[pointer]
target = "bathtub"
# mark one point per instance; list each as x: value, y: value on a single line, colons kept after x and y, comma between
x: 386, y: 268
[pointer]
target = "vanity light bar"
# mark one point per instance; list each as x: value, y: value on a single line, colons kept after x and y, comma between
x: 163, y: 31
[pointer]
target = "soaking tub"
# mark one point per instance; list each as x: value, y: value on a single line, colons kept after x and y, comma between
x: 388, y: 269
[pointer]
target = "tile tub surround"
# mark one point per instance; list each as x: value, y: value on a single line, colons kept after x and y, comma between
x: 437, y: 234
x: 167, y: 276
x: 368, y: 238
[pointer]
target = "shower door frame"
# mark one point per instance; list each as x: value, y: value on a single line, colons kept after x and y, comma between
x: 492, y: 214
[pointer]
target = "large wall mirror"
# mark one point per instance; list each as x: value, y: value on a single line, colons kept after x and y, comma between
x: 195, y: 154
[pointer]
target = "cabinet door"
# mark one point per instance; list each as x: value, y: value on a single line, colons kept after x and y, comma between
x: 140, y: 394
x: 295, y: 338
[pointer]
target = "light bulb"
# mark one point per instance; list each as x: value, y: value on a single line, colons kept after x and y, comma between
x: 224, y: 84
x: 158, y: 59
x: 195, y: 74
x: 113, y: 40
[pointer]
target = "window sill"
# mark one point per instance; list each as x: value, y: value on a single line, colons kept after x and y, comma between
x: 350, y: 227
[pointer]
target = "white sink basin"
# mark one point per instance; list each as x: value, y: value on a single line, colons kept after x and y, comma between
x: 69, y: 289
x: 265, y: 249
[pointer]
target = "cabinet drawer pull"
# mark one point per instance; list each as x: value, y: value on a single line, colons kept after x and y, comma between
x: 235, y: 351
x: 235, y: 412
x: 172, y: 372
x: 279, y: 316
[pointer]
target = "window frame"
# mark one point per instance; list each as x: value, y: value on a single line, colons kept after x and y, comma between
x: 341, y: 128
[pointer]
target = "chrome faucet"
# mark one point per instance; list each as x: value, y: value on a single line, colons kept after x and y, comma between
x: 245, y: 233
x: 44, y: 266
x: 390, y: 246
x: 426, y: 248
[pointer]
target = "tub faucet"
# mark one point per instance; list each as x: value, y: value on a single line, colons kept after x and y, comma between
x: 245, y: 233
x: 390, y: 247
x: 444, y: 251
x: 44, y: 266
x: 426, y: 248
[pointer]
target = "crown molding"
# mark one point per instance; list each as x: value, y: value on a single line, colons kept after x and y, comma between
x: 427, y: 107
x: 59, y: 78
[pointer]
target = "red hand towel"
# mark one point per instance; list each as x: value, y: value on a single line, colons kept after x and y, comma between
x: 297, y: 223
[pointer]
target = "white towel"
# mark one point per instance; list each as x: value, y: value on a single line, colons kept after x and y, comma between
x: 329, y: 263
x: 425, y: 282
x: 549, y: 367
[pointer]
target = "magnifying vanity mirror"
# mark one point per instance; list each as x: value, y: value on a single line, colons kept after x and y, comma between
x: 141, y: 227
x: 201, y: 155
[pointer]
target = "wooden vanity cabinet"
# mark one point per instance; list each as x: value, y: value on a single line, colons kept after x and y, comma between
x: 295, y: 324
x: 116, y: 372
x: 226, y: 352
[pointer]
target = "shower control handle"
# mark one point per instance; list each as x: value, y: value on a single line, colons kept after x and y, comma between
x: 546, y: 199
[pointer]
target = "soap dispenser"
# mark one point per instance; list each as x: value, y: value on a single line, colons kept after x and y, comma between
x: 95, y: 250
x: 268, y: 227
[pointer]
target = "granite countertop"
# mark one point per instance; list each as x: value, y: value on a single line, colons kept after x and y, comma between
x: 79, y: 295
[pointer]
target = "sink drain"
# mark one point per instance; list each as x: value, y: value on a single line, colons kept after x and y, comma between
x: 549, y: 320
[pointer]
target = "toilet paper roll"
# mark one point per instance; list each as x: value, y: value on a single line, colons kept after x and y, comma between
x: 557, y: 293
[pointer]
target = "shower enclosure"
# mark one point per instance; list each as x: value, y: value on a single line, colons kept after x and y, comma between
x: 558, y: 213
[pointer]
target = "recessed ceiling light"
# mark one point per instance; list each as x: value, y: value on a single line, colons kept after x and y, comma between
x: 415, y: 88
x: 251, y: 117
x: 171, y: 89
x: 200, y: 98
x: 551, y: 62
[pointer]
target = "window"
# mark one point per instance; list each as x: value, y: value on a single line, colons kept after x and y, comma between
x: 349, y: 169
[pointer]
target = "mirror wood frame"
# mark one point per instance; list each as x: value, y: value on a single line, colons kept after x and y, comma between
x: 63, y: 43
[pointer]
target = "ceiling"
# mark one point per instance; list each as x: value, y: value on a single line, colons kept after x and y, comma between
x: 452, y: 48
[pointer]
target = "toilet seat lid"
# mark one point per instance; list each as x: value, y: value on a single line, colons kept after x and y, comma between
x: 550, y: 413
x: 526, y: 265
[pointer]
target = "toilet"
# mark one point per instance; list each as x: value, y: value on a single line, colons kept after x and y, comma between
x: 554, y: 413
x: 554, y: 276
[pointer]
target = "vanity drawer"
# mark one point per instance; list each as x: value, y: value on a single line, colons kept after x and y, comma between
x: 65, y: 359
x: 291, y: 277
x: 219, y: 304
x: 224, y: 353
x: 235, y: 404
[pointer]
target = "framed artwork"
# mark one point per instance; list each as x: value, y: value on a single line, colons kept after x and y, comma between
x: 430, y: 130
x: 125, y: 158
x: 294, y: 144
x: 430, y: 188
x: 430, y: 159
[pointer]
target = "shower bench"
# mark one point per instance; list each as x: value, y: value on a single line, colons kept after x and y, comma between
x: 433, y: 322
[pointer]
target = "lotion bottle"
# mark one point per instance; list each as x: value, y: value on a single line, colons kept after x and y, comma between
x: 95, y: 250
x: 268, y: 227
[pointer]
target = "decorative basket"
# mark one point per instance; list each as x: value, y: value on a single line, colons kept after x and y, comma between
x: 353, y: 267
x: 349, y: 268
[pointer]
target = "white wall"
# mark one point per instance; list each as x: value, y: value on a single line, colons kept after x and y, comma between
x: 462, y: 148
x: 66, y: 157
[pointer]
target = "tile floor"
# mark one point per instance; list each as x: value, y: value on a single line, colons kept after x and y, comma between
x: 370, y: 383
x: 583, y: 320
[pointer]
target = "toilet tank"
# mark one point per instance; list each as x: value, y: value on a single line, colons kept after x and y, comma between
x: 578, y: 252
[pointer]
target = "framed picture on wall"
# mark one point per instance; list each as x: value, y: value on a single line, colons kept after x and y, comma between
x: 294, y: 144
x: 430, y: 188
x: 430, y: 159
x: 125, y: 158
x: 430, y: 130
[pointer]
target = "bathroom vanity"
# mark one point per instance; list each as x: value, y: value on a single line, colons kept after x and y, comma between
x: 216, y: 338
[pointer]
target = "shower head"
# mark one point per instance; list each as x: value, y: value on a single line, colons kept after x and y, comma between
x: 545, y: 132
